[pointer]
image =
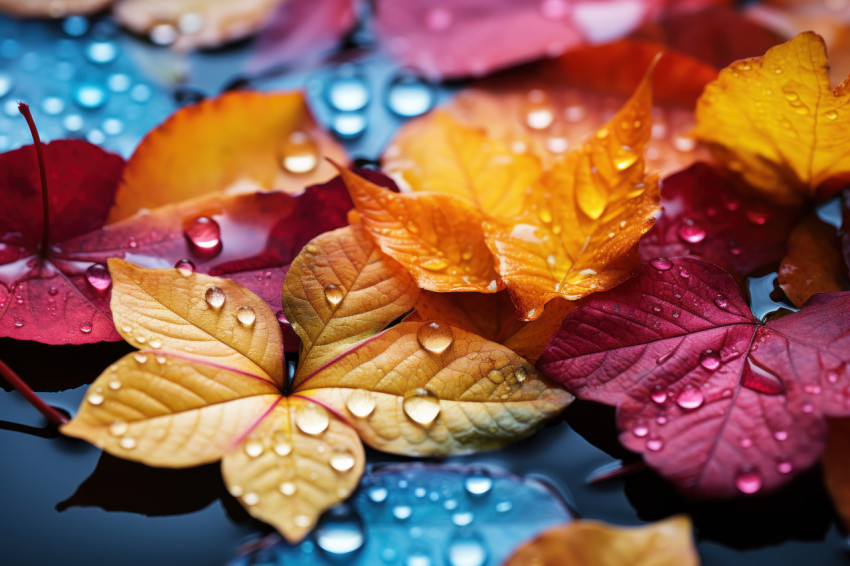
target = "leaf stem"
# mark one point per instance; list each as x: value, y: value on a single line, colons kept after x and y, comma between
x: 21, y: 387
x: 24, y: 109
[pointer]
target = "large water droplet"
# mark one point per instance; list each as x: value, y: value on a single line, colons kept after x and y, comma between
x: 342, y: 459
x: 402, y: 512
x: 435, y: 337
x: 215, y: 297
x: 347, y: 92
x: 661, y: 264
x: 462, y: 518
x: 312, y: 419
x: 691, y: 233
x: 85, y: 326
x: 98, y: 276
x: 748, y: 481
x: 341, y: 531
x: 409, y: 96
x: 659, y: 395
x: 334, y: 294
x: 246, y: 316
x: 421, y: 406
x: 709, y: 360
x: 466, y: 548
x: 203, y: 233
x: 95, y: 398
x: 762, y: 379
x: 254, y: 448
x: 300, y: 154
x: 478, y: 484
x: 360, y: 403
x: 690, y: 398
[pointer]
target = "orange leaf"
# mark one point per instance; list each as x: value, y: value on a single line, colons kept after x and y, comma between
x: 583, y: 221
x: 493, y: 317
x: 814, y: 262
x: 836, y: 467
x: 593, y: 543
x: 239, y: 141
x: 438, y: 238
x: 776, y: 121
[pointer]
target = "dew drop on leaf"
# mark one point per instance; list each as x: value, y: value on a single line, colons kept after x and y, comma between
x: 246, y: 316
x: 334, y: 294
x: 520, y: 373
x: 312, y: 419
x: 690, y: 398
x: 118, y: 428
x: 288, y: 488
x: 654, y: 444
x: 86, y: 326
x: 95, y: 398
x: 402, y: 512
x: 185, y: 267
x: 342, y: 460
x: 661, y: 263
x: 283, y: 448
x: 466, y: 548
x: 709, y: 360
x: 340, y: 532
x: 761, y: 379
x: 748, y: 481
x: 253, y: 448
x: 203, y: 233
x: 781, y: 435
x: 421, y: 406
x: 127, y: 443
x: 140, y: 357
x: 214, y: 297
x: 435, y: 337
x: 659, y: 395
x: 360, y: 403
x: 434, y: 264
x: 784, y: 466
x: 98, y: 276
x: 478, y: 484
x: 302, y: 521
x: 250, y: 498
x: 691, y: 233
x: 300, y: 154
x: 377, y: 494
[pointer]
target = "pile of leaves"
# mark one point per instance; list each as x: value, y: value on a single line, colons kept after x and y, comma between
x: 582, y: 226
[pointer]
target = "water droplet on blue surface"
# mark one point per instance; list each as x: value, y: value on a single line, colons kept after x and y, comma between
x: 409, y: 96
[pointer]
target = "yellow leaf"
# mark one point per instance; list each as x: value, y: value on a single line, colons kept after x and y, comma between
x: 438, y: 238
x: 341, y: 289
x: 436, y: 154
x: 813, y: 263
x: 593, y: 543
x: 208, y: 384
x: 300, y: 459
x: 241, y: 140
x: 585, y: 218
x: 776, y: 121
x: 427, y: 388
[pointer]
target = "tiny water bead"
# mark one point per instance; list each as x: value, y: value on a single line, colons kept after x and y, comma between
x: 539, y: 113
x: 185, y: 267
x: 97, y: 275
x: 287, y: 488
x: 334, y: 294
x: 654, y: 444
x: 421, y: 406
x: 342, y: 459
x: 90, y: 96
x: 118, y: 428
x: 86, y: 326
x: 128, y: 443
x: 661, y: 264
x: 360, y: 403
x: 312, y: 419
x: 203, y: 233
x: 377, y: 494
x: 748, y: 481
x: 409, y: 96
x: 215, y: 297
x: 462, y: 519
x: 300, y: 154
x: 254, y: 448
x: 691, y: 233
x: 435, y: 337
x: 402, y: 512
x: 246, y: 316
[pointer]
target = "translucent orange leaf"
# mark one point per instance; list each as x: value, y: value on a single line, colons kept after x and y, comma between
x: 836, y: 467
x: 593, y: 543
x: 493, y: 317
x: 776, y: 121
x: 814, y: 262
x: 438, y: 238
x: 237, y: 142
x: 342, y: 289
x: 298, y: 461
x: 583, y: 221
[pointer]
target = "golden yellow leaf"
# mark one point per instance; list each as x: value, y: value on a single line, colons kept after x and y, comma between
x: 583, y: 221
x: 208, y: 385
x: 836, y: 467
x: 593, y: 543
x: 493, y: 317
x: 438, y: 238
x: 341, y: 289
x: 196, y: 23
x: 813, y: 263
x: 776, y: 121
x: 300, y: 458
x: 241, y: 141
x: 436, y: 154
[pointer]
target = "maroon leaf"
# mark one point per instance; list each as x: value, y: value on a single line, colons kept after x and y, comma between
x: 716, y: 401
x: 706, y: 213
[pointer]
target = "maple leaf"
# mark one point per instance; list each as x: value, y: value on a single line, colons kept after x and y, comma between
x: 209, y: 384
x: 814, y: 262
x: 52, y: 8
x: 775, y: 120
x: 195, y: 23
x: 716, y: 401
x: 279, y: 146
x: 593, y: 543
x: 707, y: 212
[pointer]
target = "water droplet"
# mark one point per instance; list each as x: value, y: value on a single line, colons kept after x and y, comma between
x: 435, y: 337
x: 246, y: 316
x: 759, y: 378
x: 781, y: 435
x: 807, y: 408
x: 342, y: 459
x: 334, y: 294
x: 434, y: 264
x: 348, y: 91
x: 118, y: 428
x: 300, y: 154
x: 377, y: 494
x: 163, y: 33
x: 127, y: 443
x: 691, y: 233
x: 114, y: 385
x: 421, y: 406
x: 661, y: 264
x: 745, y: 442
x: 283, y: 448
x: 545, y: 216
x: 253, y: 448
x: 709, y: 360
x: 654, y: 444
x: 312, y: 419
x: 302, y: 521
x: 812, y: 389
x: 690, y: 398
x: 95, y: 398
x: 466, y: 548
x: 757, y: 217
x: 539, y: 113
x: 461, y: 519
x: 478, y: 484
x: 101, y: 52
x: 360, y: 403
x: 626, y: 158
x: 235, y: 490
x: 140, y: 357
x: 721, y: 302
x: 90, y: 96
x: 75, y: 26
x: 85, y: 326
x: 784, y: 466
x: 215, y: 297
x: 341, y: 531
x: 748, y: 481
x: 409, y: 96
x: 504, y: 506
x: 831, y: 114
x: 402, y: 512
x: 659, y: 395
x: 287, y: 488
x: 203, y: 233
x: 664, y: 357
x: 349, y: 125
x: 185, y: 267
x: 98, y: 276
x: 640, y: 429
x: 250, y: 498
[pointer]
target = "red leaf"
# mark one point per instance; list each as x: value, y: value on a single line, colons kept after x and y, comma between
x: 717, y: 402
x: 704, y: 214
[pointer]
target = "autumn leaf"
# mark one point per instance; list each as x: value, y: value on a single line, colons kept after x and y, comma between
x: 709, y: 213
x: 593, y: 543
x: 52, y: 8
x: 716, y: 401
x: 208, y: 385
x: 775, y: 120
x: 414, y: 388
x: 493, y: 317
x: 193, y: 24
x: 241, y: 141
x: 814, y: 262
x: 836, y: 467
